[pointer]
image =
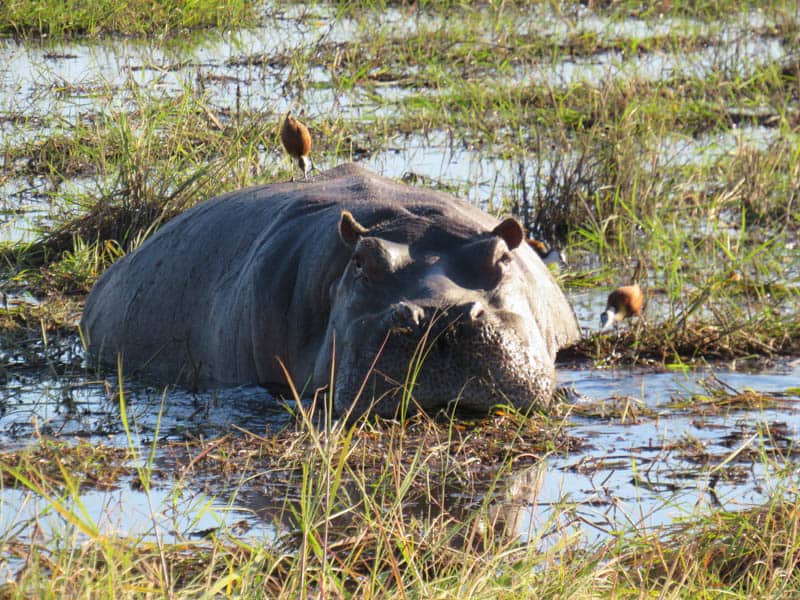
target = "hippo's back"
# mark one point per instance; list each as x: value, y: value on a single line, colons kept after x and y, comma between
x: 185, y: 306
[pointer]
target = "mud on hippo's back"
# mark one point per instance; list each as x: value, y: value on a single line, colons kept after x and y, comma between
x: 381, y: 284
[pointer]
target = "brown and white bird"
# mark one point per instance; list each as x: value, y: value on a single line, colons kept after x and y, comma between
x: 623, y: 302
x: 297, y: 141
x: 549, y: 256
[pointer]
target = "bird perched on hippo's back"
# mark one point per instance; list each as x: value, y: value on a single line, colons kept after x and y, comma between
x: 296, y: 140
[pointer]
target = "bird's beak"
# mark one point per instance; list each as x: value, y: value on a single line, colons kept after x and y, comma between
x: 305, y: 165
x: 607, y: 320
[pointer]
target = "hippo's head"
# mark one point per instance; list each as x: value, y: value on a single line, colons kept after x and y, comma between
x: 443, y: 316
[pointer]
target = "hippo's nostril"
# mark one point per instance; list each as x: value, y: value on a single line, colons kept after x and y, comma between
x: 475, y: 311
x: 407, y: 314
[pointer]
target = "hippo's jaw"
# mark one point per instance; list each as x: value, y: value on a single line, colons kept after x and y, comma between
x: 406, y: 361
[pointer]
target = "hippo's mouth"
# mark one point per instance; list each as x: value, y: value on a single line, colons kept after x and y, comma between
x: 470, y: 366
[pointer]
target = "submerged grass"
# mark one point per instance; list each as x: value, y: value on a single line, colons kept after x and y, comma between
x: 721, y: 397
x: 50, y: 461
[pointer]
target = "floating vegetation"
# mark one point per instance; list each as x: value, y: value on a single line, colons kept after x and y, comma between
x: 52, y: 463
x: 622, y: 408
x: 721, y: 397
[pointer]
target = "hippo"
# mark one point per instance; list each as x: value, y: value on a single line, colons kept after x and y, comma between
x: 388, y: 294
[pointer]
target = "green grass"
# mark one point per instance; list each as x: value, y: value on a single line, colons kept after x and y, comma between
x: 70, y: 18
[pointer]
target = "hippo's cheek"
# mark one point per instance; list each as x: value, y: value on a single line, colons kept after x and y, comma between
x: 356, y: 346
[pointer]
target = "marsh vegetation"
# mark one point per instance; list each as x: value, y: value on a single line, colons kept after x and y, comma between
x: 666, y: 136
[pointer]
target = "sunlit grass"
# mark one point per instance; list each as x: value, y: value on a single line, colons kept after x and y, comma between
x: 68, y: 18
x: 421, y: 509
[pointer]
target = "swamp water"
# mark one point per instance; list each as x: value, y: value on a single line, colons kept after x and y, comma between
x: 662, y: 461
x: 633, y: 472
x: 46, y: 89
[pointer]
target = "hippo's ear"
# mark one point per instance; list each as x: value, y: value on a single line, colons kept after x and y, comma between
x: 350, y: 229
x: 511, y: 231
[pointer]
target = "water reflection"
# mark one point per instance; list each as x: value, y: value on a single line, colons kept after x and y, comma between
x: 89, y: 409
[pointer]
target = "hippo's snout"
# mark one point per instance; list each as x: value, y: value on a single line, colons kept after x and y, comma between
x: 467, y: 353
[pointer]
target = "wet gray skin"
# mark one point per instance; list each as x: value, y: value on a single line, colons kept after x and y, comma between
x: 348, y: 269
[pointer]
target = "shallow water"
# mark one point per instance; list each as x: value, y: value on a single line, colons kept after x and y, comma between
x: 49, y: 87
x: 87, y: 409
x: 629, y: 474
x: 636, y: 474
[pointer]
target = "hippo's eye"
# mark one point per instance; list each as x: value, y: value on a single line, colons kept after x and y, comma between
x: 370, y: 261
x: 360, y: 268
x: 504, y: 260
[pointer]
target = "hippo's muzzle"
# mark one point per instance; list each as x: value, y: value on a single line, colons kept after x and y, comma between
x: 412, y: 317
x: 433, y: 358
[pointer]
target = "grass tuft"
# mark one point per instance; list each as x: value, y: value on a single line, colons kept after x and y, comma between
x: 69, y: 18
